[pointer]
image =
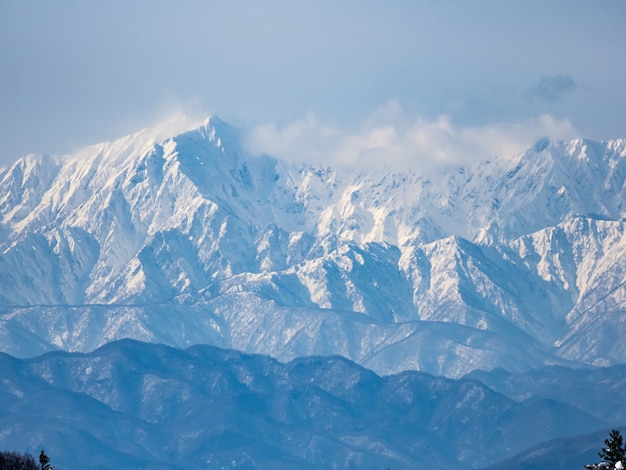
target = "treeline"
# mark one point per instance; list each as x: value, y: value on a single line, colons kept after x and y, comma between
x: 15, y: 461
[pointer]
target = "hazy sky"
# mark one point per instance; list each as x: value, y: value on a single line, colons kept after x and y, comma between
x: 349, y: 79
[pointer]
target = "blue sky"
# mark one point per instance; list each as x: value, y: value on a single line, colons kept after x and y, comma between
x: 351, y: 80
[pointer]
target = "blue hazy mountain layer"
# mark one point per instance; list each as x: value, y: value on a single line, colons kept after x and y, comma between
x: 560, y: 454
x: 130, y: 405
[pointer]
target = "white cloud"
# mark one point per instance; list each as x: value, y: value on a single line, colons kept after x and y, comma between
x: 170, y: 117
x: 390, y: 137
x: 304, y: 140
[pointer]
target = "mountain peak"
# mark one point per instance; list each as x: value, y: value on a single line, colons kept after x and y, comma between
x: 291, y: 260
x: 214, y: 130
x: 541, y: 145
x: 213, y: 120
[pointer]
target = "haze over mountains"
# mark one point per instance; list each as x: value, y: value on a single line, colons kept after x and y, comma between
x: 513, y: 264
x: 132, y: 405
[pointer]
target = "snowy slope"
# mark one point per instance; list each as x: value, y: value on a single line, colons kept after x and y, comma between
x: 207, y: 407
x: 514, y: 262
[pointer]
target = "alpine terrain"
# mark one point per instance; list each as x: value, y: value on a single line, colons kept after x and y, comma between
x: 509, y: 267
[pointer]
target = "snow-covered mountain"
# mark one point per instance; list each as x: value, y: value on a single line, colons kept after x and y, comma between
x: 132, y: 405
x: 514, y: 262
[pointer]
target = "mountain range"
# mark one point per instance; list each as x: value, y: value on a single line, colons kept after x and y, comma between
x: 513, y: 263
x: 132, y: 405
x: 507, y: 277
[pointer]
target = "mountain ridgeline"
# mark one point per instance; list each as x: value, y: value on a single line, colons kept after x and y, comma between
x: 464, y: 318
x: 132, y: 405
x: 511, y: 263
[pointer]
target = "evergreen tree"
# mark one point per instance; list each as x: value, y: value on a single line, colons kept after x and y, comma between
x: 44, y: 461
x: 614, y: 450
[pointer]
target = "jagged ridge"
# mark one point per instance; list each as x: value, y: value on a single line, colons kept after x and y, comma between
x: 508, y: 263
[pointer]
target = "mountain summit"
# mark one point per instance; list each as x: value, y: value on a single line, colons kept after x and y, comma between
x: 511, y: 263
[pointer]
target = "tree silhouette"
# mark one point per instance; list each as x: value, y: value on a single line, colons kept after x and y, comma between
x: 44, y: 461
x: 614, y: 450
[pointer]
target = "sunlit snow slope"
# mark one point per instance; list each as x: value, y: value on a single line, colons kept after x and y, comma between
x: 514, y: 262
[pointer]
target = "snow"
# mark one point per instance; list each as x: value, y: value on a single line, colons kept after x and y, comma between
x: 386, y: 268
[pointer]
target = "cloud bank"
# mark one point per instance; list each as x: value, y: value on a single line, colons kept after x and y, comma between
x: 391, y: 138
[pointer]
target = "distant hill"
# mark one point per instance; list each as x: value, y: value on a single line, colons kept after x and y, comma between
x: 135, y: 405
